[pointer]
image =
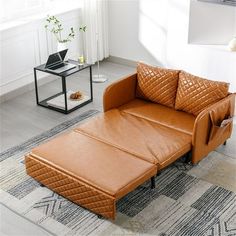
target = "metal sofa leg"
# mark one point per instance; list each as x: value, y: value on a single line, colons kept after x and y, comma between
x: 188, y: 157
x: 153, y: 184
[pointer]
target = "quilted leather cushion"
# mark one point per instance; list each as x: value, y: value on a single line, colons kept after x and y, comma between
x: 157, y: 84
x: 194, y: 94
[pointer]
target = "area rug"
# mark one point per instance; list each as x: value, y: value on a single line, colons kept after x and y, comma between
x: 181, y: 203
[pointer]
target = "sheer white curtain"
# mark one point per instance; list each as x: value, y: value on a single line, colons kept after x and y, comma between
x: 95, y: 17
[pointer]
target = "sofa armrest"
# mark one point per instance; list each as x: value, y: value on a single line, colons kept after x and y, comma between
x: 119, y: 92
x: 208, y: 122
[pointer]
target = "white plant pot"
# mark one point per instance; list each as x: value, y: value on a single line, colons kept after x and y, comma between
x: 61, y: 46
x: 232, y: 44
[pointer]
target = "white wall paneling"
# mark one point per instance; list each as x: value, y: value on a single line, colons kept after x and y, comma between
x: 28, y: 45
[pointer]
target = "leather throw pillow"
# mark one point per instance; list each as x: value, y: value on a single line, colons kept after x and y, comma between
x: 194, y: 94
x: 157, y: 84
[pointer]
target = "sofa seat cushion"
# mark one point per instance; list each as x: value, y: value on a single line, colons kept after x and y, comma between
x: 157, y: 84
x: 194, y: 94
x: 147, y: 140
x: 163, y: 115
x: 95, y: 163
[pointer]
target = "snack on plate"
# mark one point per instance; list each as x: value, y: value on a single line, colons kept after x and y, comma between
x: 76, y: 96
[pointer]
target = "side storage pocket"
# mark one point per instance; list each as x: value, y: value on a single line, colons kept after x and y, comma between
x: 219, y: 129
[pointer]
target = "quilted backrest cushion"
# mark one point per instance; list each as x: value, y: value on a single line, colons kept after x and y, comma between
x: 157, y: 84
x: 195, y: 93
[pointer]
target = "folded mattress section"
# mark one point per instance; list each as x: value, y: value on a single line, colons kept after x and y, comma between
x: 142, y: 138
x: 88, y: 172
x: 71, y: 188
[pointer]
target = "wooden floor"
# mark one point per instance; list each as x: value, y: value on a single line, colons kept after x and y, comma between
x: 21, y: 118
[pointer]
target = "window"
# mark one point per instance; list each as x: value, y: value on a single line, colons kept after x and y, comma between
x: 16, y: 9
x: 226, y: 2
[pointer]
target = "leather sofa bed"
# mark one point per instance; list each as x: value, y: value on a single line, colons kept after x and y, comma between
x: 151, y: 119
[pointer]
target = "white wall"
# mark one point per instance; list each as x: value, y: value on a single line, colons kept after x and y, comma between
x: 235, y: 24
x: 124, y: 18
x: 26, y: 44
x: 211, y: 23
x: 157, y: 31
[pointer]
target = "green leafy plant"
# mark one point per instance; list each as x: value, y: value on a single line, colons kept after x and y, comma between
x: 55, y: 26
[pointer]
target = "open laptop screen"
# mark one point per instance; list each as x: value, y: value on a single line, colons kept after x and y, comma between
x: 56, y: 58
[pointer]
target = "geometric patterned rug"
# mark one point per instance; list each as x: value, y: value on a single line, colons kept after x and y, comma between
x: 181, y: 204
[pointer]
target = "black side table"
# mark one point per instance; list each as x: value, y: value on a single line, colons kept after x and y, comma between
x: 63, y: 75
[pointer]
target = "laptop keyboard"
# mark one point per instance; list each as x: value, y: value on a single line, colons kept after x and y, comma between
x: 57, y: 66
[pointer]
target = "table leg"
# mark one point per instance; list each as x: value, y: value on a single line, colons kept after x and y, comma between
x: 64, y: 91
x: 36, y: 86
x: 153, y: 183
x: 91, y: 82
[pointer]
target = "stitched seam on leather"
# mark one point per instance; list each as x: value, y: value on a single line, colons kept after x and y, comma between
x: 157, y: 84
x: 72, y: 195
x: 69, y: 176
x: 89, y: 203
x: 178, y: 152
x: 42, y: 174
x: 26, y: 156
x: 59, y: 170
x: 114, y: 146
x: 147, y: 144
x: 132, y: 181
x: 156, y: 122
x: 58, y: 180
x: 206, y: 111
x: 98, y: 198
x: 195, y: 93
x: 71, y: 189
x: 52, y: 165
x: 219, y: 103
x: 136, y: 180
x: 78, y: 187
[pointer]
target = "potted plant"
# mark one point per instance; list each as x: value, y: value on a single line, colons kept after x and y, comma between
x: 55, y: 26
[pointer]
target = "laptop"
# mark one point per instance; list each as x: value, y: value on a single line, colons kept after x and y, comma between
x: 55, y: 62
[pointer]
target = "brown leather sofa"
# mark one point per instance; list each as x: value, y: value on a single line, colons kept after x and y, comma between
x: 202, y: 129
x: 150, y: 119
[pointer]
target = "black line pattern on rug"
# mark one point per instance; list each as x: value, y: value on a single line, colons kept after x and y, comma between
x: 23, y: 188
x: 78, y: 219
x: 50, y: 204
x: 171, y: 183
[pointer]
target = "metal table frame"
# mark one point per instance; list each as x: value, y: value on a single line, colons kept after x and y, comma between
x: 63, y: 76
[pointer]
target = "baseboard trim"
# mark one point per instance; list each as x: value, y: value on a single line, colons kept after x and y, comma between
x: 122, y: 61
x: 25, y: 88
